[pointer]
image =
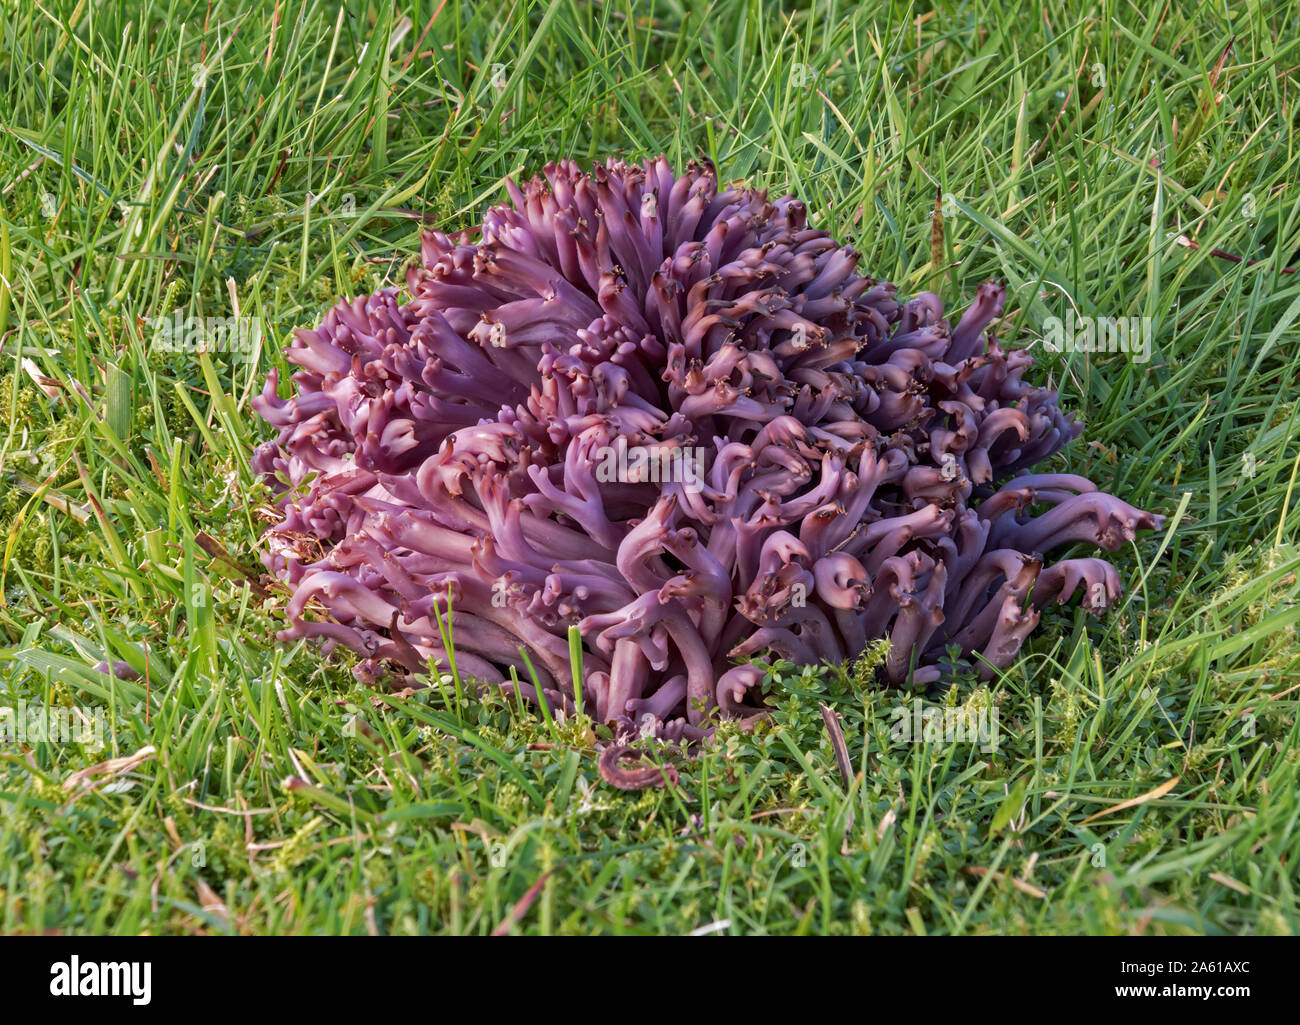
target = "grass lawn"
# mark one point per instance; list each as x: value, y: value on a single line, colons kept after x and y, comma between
x: 221, y: 161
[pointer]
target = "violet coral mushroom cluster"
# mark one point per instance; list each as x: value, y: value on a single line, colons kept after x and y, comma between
x: 801, y: 462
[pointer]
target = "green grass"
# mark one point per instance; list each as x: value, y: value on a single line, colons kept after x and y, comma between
x: 1072, y: 145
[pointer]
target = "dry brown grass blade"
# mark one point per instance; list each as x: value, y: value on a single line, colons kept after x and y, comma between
x: 92, y: 776
x: 217, y: 551
x: 838, y: 745
x: 936, y: 241
x: 1208, y: 105
x: 522, y: 905
x: 1150, y: 795
x: 1019, y: 884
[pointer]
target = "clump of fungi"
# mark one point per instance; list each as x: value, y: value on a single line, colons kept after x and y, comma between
x: 855, y: 467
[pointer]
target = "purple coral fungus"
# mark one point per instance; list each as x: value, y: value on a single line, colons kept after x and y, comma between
x: 858, y: 468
